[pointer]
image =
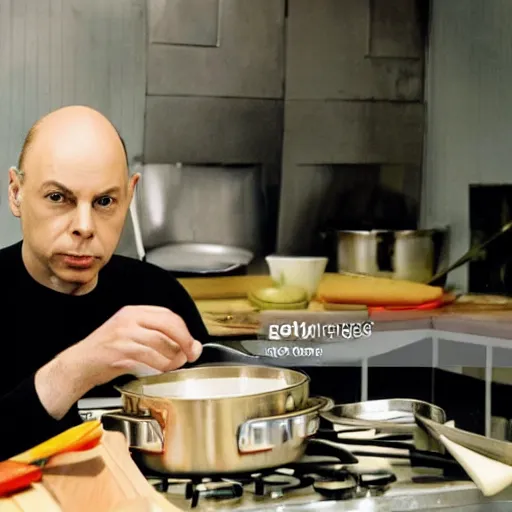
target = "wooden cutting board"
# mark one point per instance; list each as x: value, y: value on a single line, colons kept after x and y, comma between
x: 34, y: 499
x: 231, y: 287
x: 228, y: 317
x: 237, y: 317
x: 480, y: 307
x: 223, y: 304
x: 333, y: 287
x: 234, y: 287
x: 104, y: 479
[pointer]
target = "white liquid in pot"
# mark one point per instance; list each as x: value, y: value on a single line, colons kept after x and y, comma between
x: 214, y: 388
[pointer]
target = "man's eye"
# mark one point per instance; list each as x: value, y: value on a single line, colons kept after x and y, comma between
x: 105, y: 201
x: 55, y: 197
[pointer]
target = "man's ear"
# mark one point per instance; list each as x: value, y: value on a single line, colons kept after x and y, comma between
x: 131, y: 185
x: 15, y: 194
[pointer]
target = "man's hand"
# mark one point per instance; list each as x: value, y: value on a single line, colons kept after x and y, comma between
x: 135, y: 335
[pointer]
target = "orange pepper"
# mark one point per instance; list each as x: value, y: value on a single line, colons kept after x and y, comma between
x: 86, y: 434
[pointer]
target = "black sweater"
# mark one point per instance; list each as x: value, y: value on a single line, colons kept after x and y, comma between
x: 39, y: 323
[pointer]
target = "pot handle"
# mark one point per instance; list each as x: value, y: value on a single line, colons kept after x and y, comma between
x: 142, y: 433
x: 385, y: 252
x: 265, y: 434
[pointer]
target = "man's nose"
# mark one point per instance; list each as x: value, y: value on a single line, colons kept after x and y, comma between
x: 83, y: 222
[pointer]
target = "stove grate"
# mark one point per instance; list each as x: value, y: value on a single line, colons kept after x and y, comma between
x: 330, y: 480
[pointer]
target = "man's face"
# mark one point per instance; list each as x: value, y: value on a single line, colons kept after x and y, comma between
x: 73, y: 207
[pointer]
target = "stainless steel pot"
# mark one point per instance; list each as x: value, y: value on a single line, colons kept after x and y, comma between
x: 216, y: 419
x: 414, y: 255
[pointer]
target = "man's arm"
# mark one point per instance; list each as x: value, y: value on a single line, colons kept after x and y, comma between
x: 180, y: 302
x: 27, y: 423
x: 59, y: 384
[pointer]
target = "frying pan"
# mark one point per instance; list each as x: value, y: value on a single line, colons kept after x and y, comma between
x: 392, y: 416
x: 200, y: 260
x: 389, y: 449
x: 395, y: 415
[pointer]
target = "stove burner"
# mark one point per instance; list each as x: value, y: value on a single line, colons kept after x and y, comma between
x: 213, y: 490
x: 337, y: 489
x: 278, y: 484
x: 351, y: 485
x: 333, y: 481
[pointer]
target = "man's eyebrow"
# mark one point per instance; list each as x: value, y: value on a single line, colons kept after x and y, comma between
x: 63, y: 188
x: 111, y: 190
x: 56, y: 184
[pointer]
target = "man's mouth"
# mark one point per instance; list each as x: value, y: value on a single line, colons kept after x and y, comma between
x: 78, y: 260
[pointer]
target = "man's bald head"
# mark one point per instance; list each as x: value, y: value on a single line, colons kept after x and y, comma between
x: 74, y: 197
x: 65, y: 113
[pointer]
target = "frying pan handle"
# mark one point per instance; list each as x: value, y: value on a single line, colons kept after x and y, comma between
x: 142, y: 433
x: 322, y: 448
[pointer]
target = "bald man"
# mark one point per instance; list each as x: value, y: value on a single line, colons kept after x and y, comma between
x: 77, y: 317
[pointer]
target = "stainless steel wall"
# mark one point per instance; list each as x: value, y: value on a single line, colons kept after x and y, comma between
x: 214, y: 96
x: 293, y: 86
x: 304, y: 90
x: 354, y: 95
x: 206, y: 204
x: 469, y: 112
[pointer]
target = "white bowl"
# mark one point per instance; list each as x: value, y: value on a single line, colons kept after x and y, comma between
x: 303, y: 271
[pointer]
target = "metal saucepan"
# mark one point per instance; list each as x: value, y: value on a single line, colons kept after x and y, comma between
x: 259, y: 443
x: 198, y: 420
x: 414, y: 255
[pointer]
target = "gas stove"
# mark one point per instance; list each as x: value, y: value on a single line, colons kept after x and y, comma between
x: 318, y: 485
x: 321, y: 482
x: 297, y: 482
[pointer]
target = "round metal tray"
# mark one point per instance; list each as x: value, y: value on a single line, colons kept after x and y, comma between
x: 199, y: 258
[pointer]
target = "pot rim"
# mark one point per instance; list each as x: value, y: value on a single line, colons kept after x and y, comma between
x: 398, y: 233
x: 155, y: 379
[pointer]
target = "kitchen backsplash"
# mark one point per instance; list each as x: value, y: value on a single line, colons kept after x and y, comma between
x: 469, y: 119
